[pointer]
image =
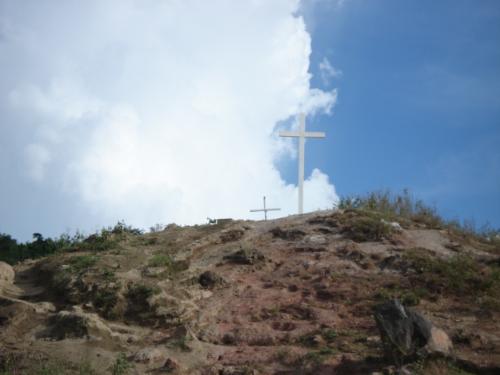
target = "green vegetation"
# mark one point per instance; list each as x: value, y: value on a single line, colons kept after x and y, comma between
x: 105, y: 300
x: 329, y: 334
x: 437, y: 366
x: 408, y: 211
x: 180, y: 343
x: 160, y: 260
x: 408, y: 296
x: 394, y: 207
x: 365, y: 226
x: 313, y: 359
x: 141, y: 292
x: 459, y: 275
x: 85, y: 368
x: 121, y: 365
x: 108, y: 275
x: 139, y: 308
x: 82, y: 263
x: 12, y: 252
x: 11, y: 364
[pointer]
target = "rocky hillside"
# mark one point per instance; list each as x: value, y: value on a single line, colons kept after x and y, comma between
x: 288, y: 296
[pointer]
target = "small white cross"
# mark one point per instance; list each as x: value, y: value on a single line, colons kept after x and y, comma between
x: 302, y: 135
x: 265, y: 209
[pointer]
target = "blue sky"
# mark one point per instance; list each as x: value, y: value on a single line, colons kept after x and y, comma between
x: 418, y: 101
x: 158, y: 112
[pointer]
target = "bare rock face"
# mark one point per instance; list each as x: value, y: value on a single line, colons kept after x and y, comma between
x: 406, y: 333
x: 6, y: 274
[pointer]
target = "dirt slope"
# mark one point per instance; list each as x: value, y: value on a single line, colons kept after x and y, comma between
x: 287, y: 296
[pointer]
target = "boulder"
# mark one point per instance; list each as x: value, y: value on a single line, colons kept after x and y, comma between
x: 406, y: 333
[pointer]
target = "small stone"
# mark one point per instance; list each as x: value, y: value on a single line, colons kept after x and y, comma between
x: 373, y: 339
x: 439, y: 342
x: 228, y: 339
x: 316, y: 239
x: 148, y: 355
x: 317, y: 340
x: 170, y: 365
x: 293, y: 288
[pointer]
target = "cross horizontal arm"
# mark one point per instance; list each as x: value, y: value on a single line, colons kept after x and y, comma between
x: 266, y: 209
x: 289, y: 134
x: 314, y: 135
x: 304, y: 134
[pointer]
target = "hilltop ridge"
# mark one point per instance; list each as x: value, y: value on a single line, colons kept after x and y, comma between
x: 286, y: 296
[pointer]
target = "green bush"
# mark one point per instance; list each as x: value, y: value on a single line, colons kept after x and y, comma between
x: 121, y: 365
x: 405, y: 209
x: 365, y: 227
x: 160, y: 260
x: 395, y: 207
x: 105, y: 299
x: 82, y: 263
x: 460, y: 275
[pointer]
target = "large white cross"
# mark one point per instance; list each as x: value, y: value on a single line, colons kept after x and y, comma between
x: 265, y: 209
x: 302, y: 135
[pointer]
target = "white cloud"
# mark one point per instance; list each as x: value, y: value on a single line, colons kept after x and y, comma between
x: 37, y: 157
x: 328, y: 71
x: 163, y: 111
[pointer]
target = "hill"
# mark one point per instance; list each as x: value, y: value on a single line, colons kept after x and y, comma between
x: 287, y: 296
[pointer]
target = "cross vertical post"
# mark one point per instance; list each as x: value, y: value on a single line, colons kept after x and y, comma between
x: 301, y: 134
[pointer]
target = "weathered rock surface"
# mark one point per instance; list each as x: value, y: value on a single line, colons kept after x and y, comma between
x: 406, y: 332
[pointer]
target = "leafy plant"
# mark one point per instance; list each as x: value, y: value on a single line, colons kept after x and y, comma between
x: 160, y: 260
x: 83, y: 262
x: 121, y: 365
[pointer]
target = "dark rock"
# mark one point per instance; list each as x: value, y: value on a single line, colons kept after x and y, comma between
x: 209, y: 280
x: 293, y: 288
x: 229, y: 339
x: 288, y: 234
x: 324, y: 295
x: 245, y: 256
x: 406, y: 333
x: 324, y: 220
